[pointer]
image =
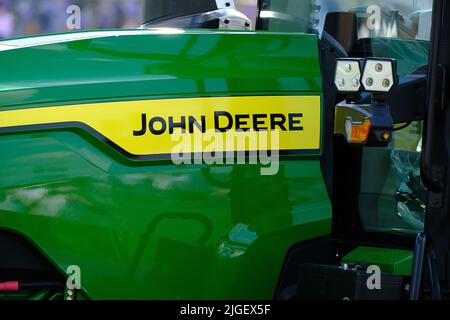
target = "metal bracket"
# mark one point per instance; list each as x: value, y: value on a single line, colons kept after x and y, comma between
x: 230, y: 19
x: 234, y: 20
x: 225, y: 4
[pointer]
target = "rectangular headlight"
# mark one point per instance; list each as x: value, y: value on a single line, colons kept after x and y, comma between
x: 379, y: 75
x: 348, y: 75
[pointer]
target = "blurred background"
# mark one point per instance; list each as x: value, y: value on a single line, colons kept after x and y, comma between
x: 30, y: 17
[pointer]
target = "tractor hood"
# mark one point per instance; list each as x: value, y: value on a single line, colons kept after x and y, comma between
x: 53, y: 69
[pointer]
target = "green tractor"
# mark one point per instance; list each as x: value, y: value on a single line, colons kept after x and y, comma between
x: 297, y: 154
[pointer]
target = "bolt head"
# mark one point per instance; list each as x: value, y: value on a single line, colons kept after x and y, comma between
x: 386, y: 83
x: 355, y: 82
x: 341, y: 82
x: 379, y: 67
x: 369, y: 82
x: 348, y: 67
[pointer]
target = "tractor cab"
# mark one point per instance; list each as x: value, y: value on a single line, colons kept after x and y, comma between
x: 374, y: 60
x: 359, y: 208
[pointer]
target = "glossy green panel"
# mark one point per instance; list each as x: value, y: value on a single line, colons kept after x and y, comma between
x: 142, y: 230
x: 158, y: 231
x: 189, y: 63
x: 393, y: 261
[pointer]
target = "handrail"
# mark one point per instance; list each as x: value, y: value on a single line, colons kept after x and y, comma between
x: 434, y: 105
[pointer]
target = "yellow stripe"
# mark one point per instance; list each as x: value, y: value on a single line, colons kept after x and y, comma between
x: 117, y: 120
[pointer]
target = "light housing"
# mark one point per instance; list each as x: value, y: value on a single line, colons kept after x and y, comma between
x: 379, y: 75
x: 348, y: 73
x: 370, y: 125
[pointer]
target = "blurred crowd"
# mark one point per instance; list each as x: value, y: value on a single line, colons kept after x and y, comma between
x: 28, y: 17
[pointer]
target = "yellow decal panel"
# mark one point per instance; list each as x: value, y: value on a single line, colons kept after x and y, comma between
x: 154, y: 127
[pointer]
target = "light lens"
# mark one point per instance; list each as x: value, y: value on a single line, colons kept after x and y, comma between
x: 357, y: 132
x: 378, y: 75
x: 348, y: 75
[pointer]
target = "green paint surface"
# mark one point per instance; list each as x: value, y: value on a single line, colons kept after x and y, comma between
x: 153, y: 230
x: 393, y: 261
x: 191, y: 63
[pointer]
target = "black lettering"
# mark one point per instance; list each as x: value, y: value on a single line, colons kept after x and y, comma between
x: 193, y: 121
x: 173, y: 125
x: 241, y: 121
x: 293, y: 121
x: 280, y: 123
x: 155, y: 131
x: 218, y: 114
x: 144, y: 126
x: 257, y: 122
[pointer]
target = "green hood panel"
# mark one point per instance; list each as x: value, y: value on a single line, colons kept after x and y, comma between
x: 153, y: 229
x: 146, y: 63
x: 159, y: 232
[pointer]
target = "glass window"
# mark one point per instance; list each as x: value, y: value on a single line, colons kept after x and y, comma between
x: 288, y: 15
x: 398, y: 29
x: 405, y: 19
x: 392, y: 196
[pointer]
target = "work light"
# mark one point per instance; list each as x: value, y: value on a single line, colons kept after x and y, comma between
x: 379, y: 75
x: 348, y: 75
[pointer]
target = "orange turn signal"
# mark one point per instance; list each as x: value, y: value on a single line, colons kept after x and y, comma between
x: 357, y: 132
